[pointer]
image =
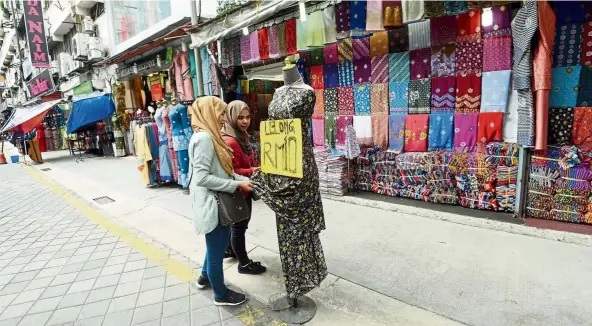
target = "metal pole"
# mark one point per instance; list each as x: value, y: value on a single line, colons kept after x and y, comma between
x: 196, y: 51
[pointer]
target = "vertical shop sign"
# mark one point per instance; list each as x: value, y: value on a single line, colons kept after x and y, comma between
x: 281, y: 147
x: 36, y: 33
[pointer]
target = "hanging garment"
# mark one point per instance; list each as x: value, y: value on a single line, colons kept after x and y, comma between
x: 143, y: 153
x: 380, y: 69
x: 420, y: 63
x: 379, y: 99
x: 443, y: 94
x: 568, y: 41
x: 416, y: 132
x: 165, y: 162
x: 362, y: 71
x: 357, y: 18
x: 136, y: 89
x: 319, y: 108
x: 344, y: 50
x: 419, y: 35
x: 585, y: 88
x: 118, y: 134
x: 495, y: 91
x: 263, y: 41
x: 420, y: 93
x: 330, y: 98
x: 342, y: 123
x: 380, y: 135
x: 274, y: 46
x: 184, y: 86
x: 500, y: 21
x: 329, y: 30
x: 331, y: 75
x: 292, y: 44
x: 301, y: 35
x: 581, y: 132
x: 281, y: 39
x: 397, y: 132
x: 398, y: 99
x: 379, y: 44
x: 346, y: 73
x: 560, y: 125
x: 455, y: 7
x: 441, y: 131
x: 330, y: 54
x: 392, y: 13
x: 330, y: 131
x: 41, y: 138
x: 342, y: 25
x: 490, y: 127
x: 468, y: 26
x: 497, y: 53
x: 565, y: 87
x: 352, y: 147
x: 466, y: 54
x: 362, y: 99
x: 468, y: 93
x: 315, y: 29
x: 412, y: 10
x: 586, y: 55
x: 374, y: 16
x: 317, y: 57
x: 465, y: 132
x: 254, y: 46
x: 442, y: 29
x: 345, y: 100
x: 363, y: 128
x: 181, y: 132
x: 443, y: 60
x: 317, y: 77
x: 318, y: 131
x: 399, y: 66
x: 398, y: 40
x: 433, y: 9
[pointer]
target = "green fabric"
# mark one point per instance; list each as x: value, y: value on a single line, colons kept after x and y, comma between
x: 193, y: 72
x: 301, y: 35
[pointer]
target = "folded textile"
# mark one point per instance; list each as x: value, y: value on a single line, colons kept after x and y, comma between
x: 465, y: 132
x: 420, y: 63
x: 330, y: 54
x: 396, y: 132
x: 490, y: 127
x: 362, y: 71
x: 442, y: 29
x: 466, y: 52
x: 357, y: 18
x: 331, y: 75
x: 363, y: 128
x: 379, y: 98
x: 497, y: 53
x: 361, y: 48
x: 433, y: 9
x: 441, y: 131
x: 317, y: 57
x: 565, y: 87
x: 495, y: 91
x: 468, y: 93
x: 581, y: 132
x: 568, y: 41
x: 345, y: 100
x: 560, y: 125
x: 346, y: 73
x: 380, y: 69
x: 468, y: 26
x: 419, y: 35
x: 443, y: 94
x: 586, y: 55
x: 319, y: 108
x: 443, y: 60
x: 398, y: 99
x: 420, y: 93
x: 416, y: 132
x: 392, y: 13
x: 345, y: 50
x: 362, y: 99
x: 317, y: 77
x: 331, y: 104
x: 500, y: 22
x: 399, y: 66
x: 455, y: 7
x: 380, y: 135
x: 379, y: 43
x: 342, y: 27
x: 412, y: 10
x: 398, y: 40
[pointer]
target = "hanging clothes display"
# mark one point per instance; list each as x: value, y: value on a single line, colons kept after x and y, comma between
x: 182, y: 133
x: 164, y: 157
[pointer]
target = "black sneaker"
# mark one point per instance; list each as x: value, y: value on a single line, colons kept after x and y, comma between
x: 229, y: 254
x: 252, y: 268
x: 230, y: 299
x: 202, y: 282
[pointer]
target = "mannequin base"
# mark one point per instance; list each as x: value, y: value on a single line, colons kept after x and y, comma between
x: 293, y: 311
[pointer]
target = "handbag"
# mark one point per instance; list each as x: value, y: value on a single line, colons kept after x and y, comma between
x: 232, y: 207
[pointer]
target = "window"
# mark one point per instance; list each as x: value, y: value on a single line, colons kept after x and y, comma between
x: 132, y: 17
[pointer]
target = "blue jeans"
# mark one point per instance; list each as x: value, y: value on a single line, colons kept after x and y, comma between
x: 213, y: 269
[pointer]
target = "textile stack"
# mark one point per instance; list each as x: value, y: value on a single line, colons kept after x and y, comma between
x: 334, y: 175
x: 363, y: 176
x: 384, y: 169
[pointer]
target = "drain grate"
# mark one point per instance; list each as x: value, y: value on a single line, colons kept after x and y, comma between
x: 104, y: 200
x: 46, y: 169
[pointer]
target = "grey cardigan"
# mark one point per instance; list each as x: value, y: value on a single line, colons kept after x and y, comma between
x: 206, y: 176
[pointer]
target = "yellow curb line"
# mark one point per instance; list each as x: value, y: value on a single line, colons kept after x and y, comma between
x: 249, y: 316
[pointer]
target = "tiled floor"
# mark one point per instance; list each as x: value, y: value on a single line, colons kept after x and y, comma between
x: 57, y: 267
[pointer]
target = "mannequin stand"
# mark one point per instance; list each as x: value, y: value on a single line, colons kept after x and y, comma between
x: 293, y: 311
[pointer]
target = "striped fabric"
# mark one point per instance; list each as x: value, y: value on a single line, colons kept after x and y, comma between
x: 419, y: 35
x: 344, y: 49
x: 379, y: 99
x: 380, y: 134
x: 399, y: 66
x: 361, y: 48
x: 380, y: 69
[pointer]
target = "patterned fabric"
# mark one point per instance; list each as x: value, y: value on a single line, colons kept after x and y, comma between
x: 254, y: 46
x: 246, y: 49
x: 500, y: 24
x: 379, y: 98
x: 330, y: 54
x: 344, y: 50
x: 398, y: 99
x: 419, y: 35
x: 330, y: 131
x: 569, y: 12
x: 306, y: 56
x: 420, y: 63
x: 468, y: 57
x: 317, y: 77
x: 379, y: 43
x: 565, y: 87
x: 281, y: 37
x: 357, y: 18
x: 362, y: 99
x: 495, y: 90
x: 524, y: 26
x: 274, y: 46
x: 490, y: 127
x: 586, y: 55
x: 362, y: 71
x: 291, y: 42
x: 330, y: 98
x: 582, y: 133
x: 380, y: 69
x: 585, y: 93
x: 346, y: 73
x: 568, y: 41
x: 397, y: 132
x: 317, y: 57
x: 497, y: 53
x: 331, y: 75
x: 416, y: 132
x: 412, y: 10
x: 399, y: 66
x: 263, y: 44
x: 304, y: 70
x: 318, y: 131
x: 363, y: 128
x: 465, y: 132
x: 342, y: 123
x: 392, y: 13
x: 380, y: 133
x: 560, y: 125
x: 468, y: 93
x: 443, y: 94
x: 443, y: 60
x: 342, y: 19
x: 468, y: 26
x: 454, y: 7
x: 525, y: 130
x: 440, y: 134
x: 345, y: 100
x: 361, y: 48
x: 433, y: 9
x: 442, y: 29
x: 319, y: 108
x: 420, y: 94
x: 398, y: 40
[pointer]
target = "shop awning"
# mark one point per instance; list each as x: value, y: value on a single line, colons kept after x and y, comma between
x: 88, y: 109
x: 27, y: 118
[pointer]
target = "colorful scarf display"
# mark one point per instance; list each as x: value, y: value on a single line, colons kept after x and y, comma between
x: 263, y: 38
x: 331, y: 75
x: 468, y: 93
x: 399, y: 66
x: 392, y: 14
x: 378, y: 43
x: 490, y: 127
x: 586, y: 55
x: 500, y: 24
x: 568, y: 41
x: 443, y: 94
x: 281, y: 39
x: 468, y: 26
x: 317, y: 77
x: 497, y: 53
x: 274, y: 46
x: 442, y: 29
x: 330, y: 97
x: 466, y: 52
x: 495, y: 90
x: 398, y: 99
x: 344, y: 50
x: 420, y: 93
x: 416, y: 132
x: 318, y: 131
x: 420, y: 63
x: 380, y: 135
x: 565, y: 87
x: 560, y: 125
x: 380, y: 69
x: 346, y: 73
x: 254, y: 46
x: 465, y: 132
x: 397, y: 132
x: 441, y: 131
x: 245, y: 49
x: 398, y: 40
x: 342, y: 27
x: 443, y: 60
x: 362, y: 99
x: 379, y: 99
x: 582, y: 133
x: 419, y: 35
x: 342, y: 123
x: 345, y: 100
x: 585, y: 88
x: 363, y: 128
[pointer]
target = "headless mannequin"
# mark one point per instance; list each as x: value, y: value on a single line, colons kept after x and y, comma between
x: 292, y: 77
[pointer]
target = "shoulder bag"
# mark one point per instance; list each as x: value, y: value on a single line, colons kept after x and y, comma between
x: 232, y: 207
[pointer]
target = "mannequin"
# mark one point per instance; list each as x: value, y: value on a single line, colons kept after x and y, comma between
x: 297, y: 205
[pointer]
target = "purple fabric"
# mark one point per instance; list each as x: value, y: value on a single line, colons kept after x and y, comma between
x: 501, y: 22
x: 254, y: 42
x: 380, y: 69
x: 331, y: 75
x: 443, y: 94
x: 330, y: 53
x: 443, y: 30
x: 361, y: 48
x: 362, y: 71
x: 465, y: 132
x: 397, y: 132
x: 443, y: 60
x: 245, y: 49
x: 420, y: 62
x: 342, y: 19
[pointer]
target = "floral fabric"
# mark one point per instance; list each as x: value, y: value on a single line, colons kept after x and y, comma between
x: 346, y: 73
x: 568, y: 41
x: 490, y: 127
x: 281, y: 38
x: 399, y: 66
x: 291, y: 43
x: 586, y: 55
x: 357, y: 18
x: 398, y: 40
x: 440, y: 134
x: 469, y: 57
x: 442, y: 29
x: 454, y: 7
x: 379, y: 98
x: 254, y: 46
x: 342, y: 123
x: 246, y: 49
x: 582, y: 133
x: 465, y: 132
x: 342, y: 19
x: 497, y: 53
x: 263, y: 43
x: 443, y: 94
x: 419, y: 35
x: 398, y: 99
x: 397, y: 132
x: 560, y: 125
x: 361, y: 48
x: 362, y: 71
x: 362, y: 99
x: 420, y: 61
x: 495, y: 91
x: 345, y: 100
x: 344, y: 50
x: 468, y: 26
x: 274, y: 46
x: 500, y: 24
x: 468, y: 93
x: 380, y: 69
x: 565, y: 87
x: 585, y: 88
x: 416, y: 132
x: 420, y: 94
x: 433, y: 9
x: 380, y: 134
x: 330, y: 97
x: 319, y: 108
x: 443, y: 60
x: 330, y: 53
x: 317, y: 77
x: 331, y: 75
x: 379, y: 44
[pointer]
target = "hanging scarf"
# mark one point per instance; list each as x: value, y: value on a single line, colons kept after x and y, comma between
x: 398, y: 99
x: 379, y: 44
x: 585, y: 93
x: 582, y: 133
x: 318, y: 131
x: 342, y: 123
x: 560, y: 125
x: 319, y: 108
x: 455, y: 7
x: 291, y: 41
x: 329, y: 30
x: 362, y: 71
x: 344, y: 50
x: 500, y: 24
x: 398, y: 40
x: 442, y: 29
x: 420, y: 61
x: 586, y: 55
x: 399, y: 66
x: 345, y: 100
x: 330, y: 131
x: 357, y: 18
x: 346, y: 73
x: 412, y: 10
x: 465, y: 132
x: 397, y: 132
x: 274, y: 45
x: 420, y: 94
x: 361, y: 48
x: 443, y: 60
x: 317, y: 77
x: 330, y: 54
x: 419, y: 35
x: 497, y: 53
x: 416, y: 132
x: 374, y: 15
x: 363, y: 128
x: 468, y: 26
x: 233, y: 110
x: 466, y: 52
x: 433, y: 9
x: 362, y: 99
x: 330, y: 98
x: 380, y: 69
x: 392, y: 14
x: 569, y: 12
x: 441, y: 131
x: 342, y: 19
x: 490, y: 127
x: 246, y: 49
x: 468, y: 93
x: 568, y: 41
x: 443, y: 94
x: 495, y: 91
x: 379, y: 101
x: 380, y: 136
x: 331, y: 75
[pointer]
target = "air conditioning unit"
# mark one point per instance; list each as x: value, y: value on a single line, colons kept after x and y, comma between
x: 55, y: 67
x: 75, y: 66
x: 89, y: 25
x: 95, y: 49
x: 64, y: 59
x: 80, y: 46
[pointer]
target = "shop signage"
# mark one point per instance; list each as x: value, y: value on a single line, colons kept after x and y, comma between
x: 36, y: 33
x: 281, y: 147
x: 40, y: 84
x: 134, y: 69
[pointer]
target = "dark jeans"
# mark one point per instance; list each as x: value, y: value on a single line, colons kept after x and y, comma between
x: 216, y: 242
x: 237, y: 239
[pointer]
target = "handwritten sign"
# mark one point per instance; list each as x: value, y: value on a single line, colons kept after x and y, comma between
x: 281, y: 147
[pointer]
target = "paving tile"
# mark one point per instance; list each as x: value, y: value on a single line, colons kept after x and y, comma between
x: 175, y: 307
x: 74, y: 299
x: 116, y: 260
x: 101, y: 294
x: 57, y: 262
x: 131, y: 276
x: 199, y: 301
x: 94, y: 309
x: 178, y: 320
x: 47, y: 272
x: 25, y: 276
x: 39, y: 283
x: 5, y: 300
x: 100, y: 255
x: 147, y: 313
x: 108, y: 280
x: 17, y: 310
x: 123, y: 303
x: 205, y: 316
x: 22, y: 260
x: 176, y: 291
x: 153, y: 283
x: 10, y: 322
x: 110, y: 270
x: 5, y: 279
x: 27, y: 296
x: 135, y: 256
x: 122, y: 318
x: 124, y: 289
x: 64, y: 278
x: 36, y: 319
x: 12, y: 269
x: 92, y: 264
x: 11, y: 288
x: 49, y: 304
x: 64, y: 315
x: 54, y: 291
x: 88, y: 274
x: 34, y: 265
x: 79, y: 259
x: 153, y: 272
x: 150, y: 297
x: 234, y: 322
x: 134, y: 265
x: 80, y: 286
x: 95, y: 321
x: 64, y: 253
x: 173, y: 280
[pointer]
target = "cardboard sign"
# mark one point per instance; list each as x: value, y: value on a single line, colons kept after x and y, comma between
x: 281, y: 147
